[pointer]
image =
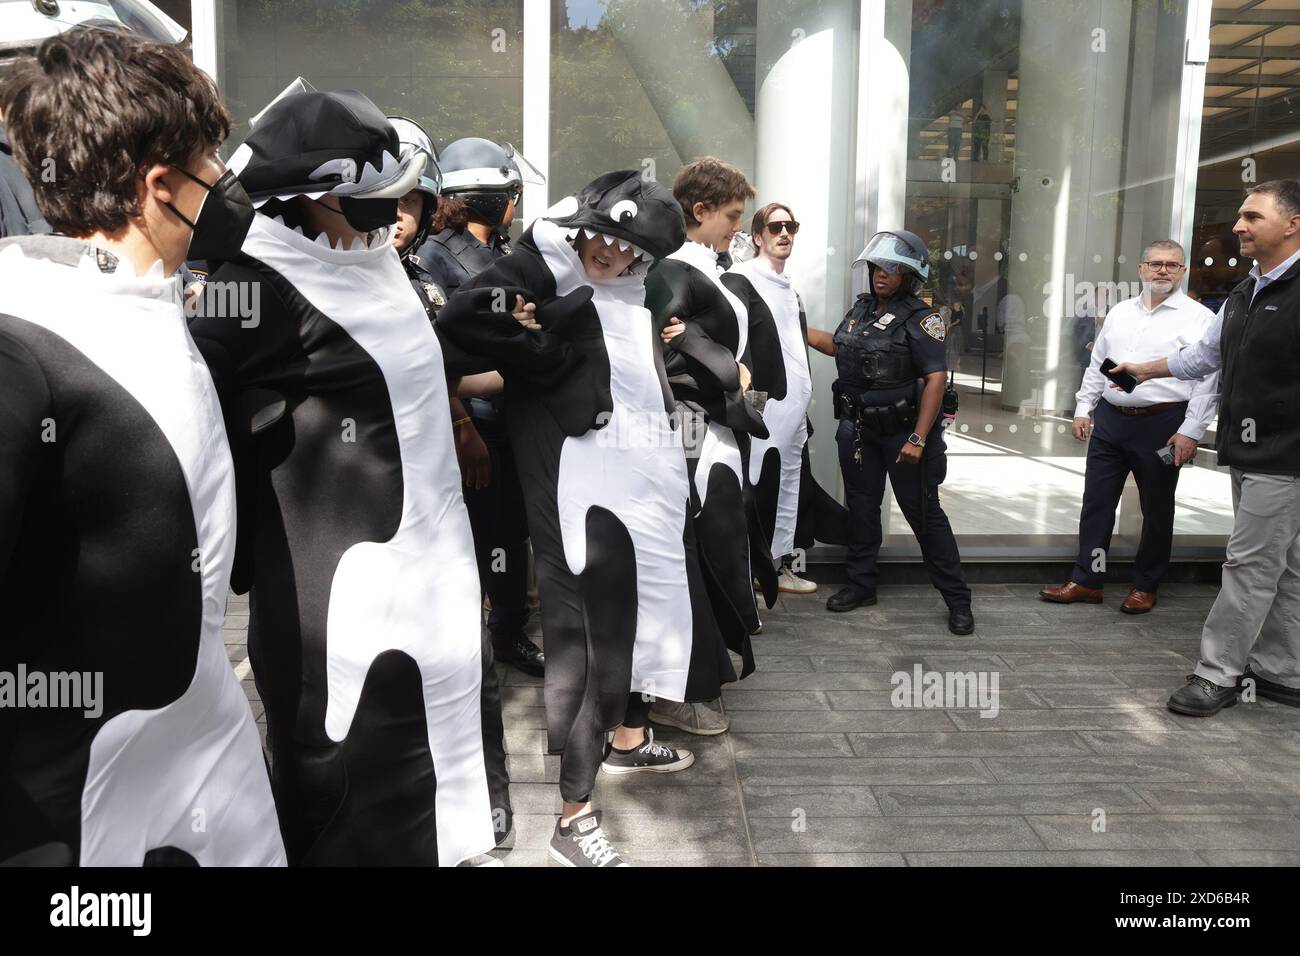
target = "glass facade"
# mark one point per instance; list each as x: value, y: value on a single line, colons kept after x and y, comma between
x: 1037, y: 146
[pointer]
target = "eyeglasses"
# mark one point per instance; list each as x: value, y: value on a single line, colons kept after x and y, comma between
x: 1163, y: 266
x: 788, y: 225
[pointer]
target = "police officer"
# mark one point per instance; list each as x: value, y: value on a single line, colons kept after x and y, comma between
x: 487, y: 180
x: 481, y: 184
x: 889, y: 353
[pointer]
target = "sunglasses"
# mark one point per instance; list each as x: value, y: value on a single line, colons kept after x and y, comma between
x: 788, y: 225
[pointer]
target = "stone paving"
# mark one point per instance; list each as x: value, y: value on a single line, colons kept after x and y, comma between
x: 1081, y: 765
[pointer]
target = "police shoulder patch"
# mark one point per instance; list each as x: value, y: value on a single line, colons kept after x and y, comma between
x: 932, y: 325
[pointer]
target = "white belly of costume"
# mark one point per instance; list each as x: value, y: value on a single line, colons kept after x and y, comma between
x: 635, y: 467
x: 786, y: 418
x: 418, y: 592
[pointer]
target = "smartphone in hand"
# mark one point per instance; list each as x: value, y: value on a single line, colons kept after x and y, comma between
x: 1124, y: 380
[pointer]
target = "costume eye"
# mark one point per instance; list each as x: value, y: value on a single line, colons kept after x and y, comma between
x: 623, y: 210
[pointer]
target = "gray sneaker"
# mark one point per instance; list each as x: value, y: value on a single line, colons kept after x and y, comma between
x: 692, y: 718
x: 583, y: 843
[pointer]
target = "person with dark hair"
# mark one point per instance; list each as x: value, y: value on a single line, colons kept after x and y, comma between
x: 25, y: 26
x: 481, y: 185
x: 1251, y: 637
x: 117, y: 495
x: 791, y: 508
x: 711, y: 388
x: 354, y: 542
x: 889, y: 352
x: 623, y: 604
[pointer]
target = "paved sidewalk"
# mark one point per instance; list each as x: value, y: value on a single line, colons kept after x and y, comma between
x: 1082, y: 763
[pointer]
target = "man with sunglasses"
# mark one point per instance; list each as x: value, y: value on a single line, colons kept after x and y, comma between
x: 791, y: 508
x: 1128, y: 429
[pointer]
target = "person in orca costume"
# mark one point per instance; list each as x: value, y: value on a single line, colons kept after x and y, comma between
x: 364, y: 626
x: 416, y: 212
x: 117, y: 497
x: 792, y: 509
x: 623, y: 604
x: 710, y: 386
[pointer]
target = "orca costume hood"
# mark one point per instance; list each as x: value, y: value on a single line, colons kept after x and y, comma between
x: 313, y: 144
x: 624, y: 207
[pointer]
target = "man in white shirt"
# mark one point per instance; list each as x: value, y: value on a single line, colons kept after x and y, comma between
x: 1252, y: 633
x: 1128, y: 429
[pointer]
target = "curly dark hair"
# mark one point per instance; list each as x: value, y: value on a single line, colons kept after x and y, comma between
x: 94, y: 109
x: 711, y: 181
x: 451, y: 214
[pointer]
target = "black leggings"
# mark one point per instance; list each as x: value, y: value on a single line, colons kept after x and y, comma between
x: 638, y: 711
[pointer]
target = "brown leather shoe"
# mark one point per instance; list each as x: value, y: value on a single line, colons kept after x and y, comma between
x: 1138, y: 602
x: 1071, y: 593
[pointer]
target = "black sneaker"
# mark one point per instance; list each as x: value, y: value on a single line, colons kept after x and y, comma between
x: 1201, y: 698
x: 961, y: 620
x: 846, y: 599
x: 518, y: 651
x: 650, y: 755
x: 583, y: 843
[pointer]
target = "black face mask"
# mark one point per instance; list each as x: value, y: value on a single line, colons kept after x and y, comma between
x: 224, y: 218
x: 366, y: 215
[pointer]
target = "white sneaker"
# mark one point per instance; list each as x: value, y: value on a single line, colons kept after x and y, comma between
x: 791, y: 583
x: 692, y: 718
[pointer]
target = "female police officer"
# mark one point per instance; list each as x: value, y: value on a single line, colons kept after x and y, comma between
x: 889, y: 353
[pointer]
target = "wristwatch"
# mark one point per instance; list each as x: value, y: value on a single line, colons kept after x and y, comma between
x: 916, y: 440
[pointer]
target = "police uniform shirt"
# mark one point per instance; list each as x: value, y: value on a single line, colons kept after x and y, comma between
x: 924, y: 336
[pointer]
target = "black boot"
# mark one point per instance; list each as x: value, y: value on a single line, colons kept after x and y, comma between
x: 961, y: 620
x: 519, y: 652
x: 846, y: 599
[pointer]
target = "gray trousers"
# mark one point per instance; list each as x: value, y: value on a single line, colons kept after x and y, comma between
x: 1256, y: 617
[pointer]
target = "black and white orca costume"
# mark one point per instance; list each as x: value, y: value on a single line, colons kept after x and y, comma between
x: 792, y: 510
x: 701, y: 366
x: 603, y: 469
x: 117, y: 512
x: 364, y: 626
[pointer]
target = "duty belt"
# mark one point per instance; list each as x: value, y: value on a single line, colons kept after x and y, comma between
x: 876, y: 419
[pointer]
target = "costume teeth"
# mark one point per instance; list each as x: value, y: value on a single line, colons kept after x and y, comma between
x: 589, y: 233
x: 298, y: 230
x: 609, y: 240
x: 322, y: 240
x: 358, y: 244
x: 624, y: 245
x: 280, y: 220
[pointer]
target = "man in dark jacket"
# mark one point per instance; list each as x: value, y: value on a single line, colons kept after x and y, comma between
x: 1252, y: 635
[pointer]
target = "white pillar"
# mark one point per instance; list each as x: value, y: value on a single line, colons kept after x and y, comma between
x: 1074, y: 78
x: 804, y: 157
x: 205, y: 37
x: 537, y: 104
